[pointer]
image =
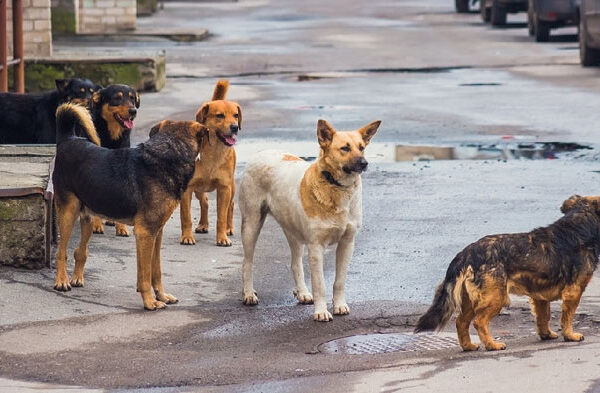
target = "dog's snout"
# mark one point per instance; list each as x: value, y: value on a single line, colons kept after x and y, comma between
x: 132, y: 111
x: 362, y: 164
x: 234, y: 128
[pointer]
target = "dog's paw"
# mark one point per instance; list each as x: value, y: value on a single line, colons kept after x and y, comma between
x: 121, y: 230
x: 154, y: 305
x: 577, y: 337
x: 187, y: 240
x: 77, y: 281
x: 495, y: 346
x: 62, y: 285
x: 201, y: 229
x: 470, y: 347
x: 223, y: 242
x: 109, y: 223
x: 322, y: 316
x: 230, y: 232
x: 166, y: 298
x: 250, y: 299
x: 98, y: 228
x: 549, y: 336
x: 341, y: 309
x: 303, y: 297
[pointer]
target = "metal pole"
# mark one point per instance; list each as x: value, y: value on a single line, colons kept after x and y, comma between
x: 3, y: 48
x: 18, y: 49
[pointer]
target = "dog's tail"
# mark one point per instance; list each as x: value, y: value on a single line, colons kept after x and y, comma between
x: 448, y: 297
x: 220, y: 91
x: 72, y: 120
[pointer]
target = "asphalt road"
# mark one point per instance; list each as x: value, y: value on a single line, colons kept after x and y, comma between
x: 432, y: 77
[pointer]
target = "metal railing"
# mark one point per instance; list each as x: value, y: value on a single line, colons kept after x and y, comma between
x: 18, y: 60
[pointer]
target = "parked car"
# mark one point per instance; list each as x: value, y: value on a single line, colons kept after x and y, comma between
x: 589, y: 32
x: 463, y: 6
x: 495, y: 11
x: 543, y: 15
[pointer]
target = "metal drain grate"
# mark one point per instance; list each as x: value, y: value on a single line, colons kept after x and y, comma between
x: 388, y: 342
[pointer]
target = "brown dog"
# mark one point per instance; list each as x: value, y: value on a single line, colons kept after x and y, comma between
x: 215, y: 167
x: 142, y: 188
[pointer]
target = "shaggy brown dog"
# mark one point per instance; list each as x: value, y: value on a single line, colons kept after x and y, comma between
x: 138, y: 186
x: 215, y: 167
x: 546, y: 264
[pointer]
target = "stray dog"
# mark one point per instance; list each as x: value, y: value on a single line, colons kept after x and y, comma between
x: 140, y: 186
x: 546, y: 264
x: 315, y: 204
x: 31, y: 118
x: 113, y: 110
x: 215, y: 167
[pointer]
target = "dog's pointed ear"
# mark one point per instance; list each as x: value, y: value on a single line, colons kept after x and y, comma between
x: 369, y: 130
x: 137, y: 100
x: 202, y: 113
x: 570, y: 203
x: 98, y: 87
x: 325, y: 133
x: 95, y: 98
x: 61, y: 84
x: 239, y: 118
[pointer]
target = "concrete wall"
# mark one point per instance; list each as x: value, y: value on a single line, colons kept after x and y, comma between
x: 106, y: 16
x: 37, y: 32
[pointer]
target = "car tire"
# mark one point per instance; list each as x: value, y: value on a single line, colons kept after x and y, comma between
x: 462, y: 6
x: 588, y: 56
x: 541, y: 30
x: 530, y: 22
x: 485, y: 11
x: 498, y: 14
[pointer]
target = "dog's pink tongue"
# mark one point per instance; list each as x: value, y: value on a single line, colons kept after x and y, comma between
x: 128, y: 124
x: 231, y: 139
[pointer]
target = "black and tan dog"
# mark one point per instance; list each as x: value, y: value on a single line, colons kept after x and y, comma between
x: 139, y: 186
x: 215, y: 168
x: 30, y: 118
x: 546, y: 264
x: 113, y: 110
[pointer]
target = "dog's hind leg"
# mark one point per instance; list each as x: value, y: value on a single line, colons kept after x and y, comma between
x: 157, y: 273
x: 571, y: 295
x: 301, y: 291
x: 67, y: 211
x: 81, y: 253
x: 315, y: 256
x: 253, y: 218
x: 489, y: 302
x: 463, y: 320
x: 202, y: 226
x: 541, y: 311
x: 185, y: 214
x: 230, y: 211
x: 224, y: 195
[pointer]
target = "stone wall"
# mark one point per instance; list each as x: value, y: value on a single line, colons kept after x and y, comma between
x: 37, y: 33
x: 65, y: 16
x: 106, y: 16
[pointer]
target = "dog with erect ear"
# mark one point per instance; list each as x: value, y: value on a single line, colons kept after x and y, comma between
x: 316, y: 204
x: 549, y: 263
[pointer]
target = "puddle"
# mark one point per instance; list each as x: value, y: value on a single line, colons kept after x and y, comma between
x: 387, y: 342
x: 393, y: 152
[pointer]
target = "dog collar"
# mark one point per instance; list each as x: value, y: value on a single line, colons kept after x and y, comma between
x: 330, y: 179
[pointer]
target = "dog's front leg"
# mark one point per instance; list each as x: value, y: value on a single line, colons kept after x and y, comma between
x: 145, y: 241
x: 157, y: 274
x: 315, y: 256
x: 343, y: 253
x: 571, y: 295
x: 223, y: 203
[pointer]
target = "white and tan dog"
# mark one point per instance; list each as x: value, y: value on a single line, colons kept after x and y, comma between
x: 315, y: 204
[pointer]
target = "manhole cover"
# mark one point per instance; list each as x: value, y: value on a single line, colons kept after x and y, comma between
x: 388, y: 342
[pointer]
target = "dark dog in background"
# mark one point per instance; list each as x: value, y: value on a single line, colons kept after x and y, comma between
x: 546, y: 264
x: 140, y: 186
x: 113, y: 110
x: 31, y: 118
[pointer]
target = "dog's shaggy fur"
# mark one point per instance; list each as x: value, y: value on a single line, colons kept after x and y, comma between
x: 546, y: 264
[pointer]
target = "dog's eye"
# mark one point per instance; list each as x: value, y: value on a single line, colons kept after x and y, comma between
x: 345, y: 148
x: 220, y: 115
x: 236, y: 115
x: 361, y: 148
x: 91, y: 90
x: 82, y: 90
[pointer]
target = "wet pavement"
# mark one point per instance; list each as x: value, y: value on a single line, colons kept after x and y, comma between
x: 434, y: 78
